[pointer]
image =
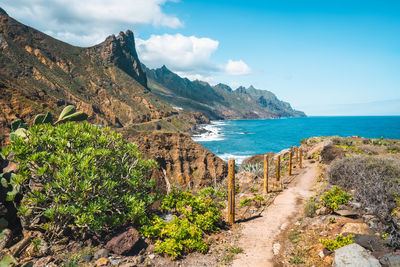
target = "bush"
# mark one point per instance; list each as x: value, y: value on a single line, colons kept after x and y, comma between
x: 339, y: 242
x: 333, y: 198
x: 376, y: 186
x: 80, y: 178
x: 194, y: 216
x: 310, y: 207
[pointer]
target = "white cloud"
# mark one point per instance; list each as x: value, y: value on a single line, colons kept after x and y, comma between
x: 178, y: 52
x: 189, y: 56
x: 86, y: 22
x: 237, y: 68
x: 193, y: 77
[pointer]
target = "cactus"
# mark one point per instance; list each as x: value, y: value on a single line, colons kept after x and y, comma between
x: 69, y: 114
x: 15, y: 125
x: 68, y: 110
x: 43, y: 118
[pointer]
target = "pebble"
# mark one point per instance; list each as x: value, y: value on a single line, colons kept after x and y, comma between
x: 152, y: 256
x: 101, y: 253
x: 87, y: 258
x: 276, y: 248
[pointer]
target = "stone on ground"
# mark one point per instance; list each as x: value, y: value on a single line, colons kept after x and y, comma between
x: 354, y: 255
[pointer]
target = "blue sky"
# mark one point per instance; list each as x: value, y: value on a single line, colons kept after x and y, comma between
x: 324, y: 57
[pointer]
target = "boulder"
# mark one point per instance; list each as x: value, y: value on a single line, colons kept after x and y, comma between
x: 356, y: 228
x: 125, y: 242
x: 354, y: 255
x: 370, y: 242
x: 390, y: 259
x: 101, y: 253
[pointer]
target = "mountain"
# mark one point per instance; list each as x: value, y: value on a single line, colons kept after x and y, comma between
x: 219, y: 101
x: 39, y: 73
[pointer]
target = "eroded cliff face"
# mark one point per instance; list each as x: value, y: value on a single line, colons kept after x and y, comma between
x: 187, y: 164
x: 120, y: 51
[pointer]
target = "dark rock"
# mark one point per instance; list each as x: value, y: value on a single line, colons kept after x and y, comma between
x: 390, y: 259
x: 3, y: 12
x: 121, y: 52
x: 87, y: 258
x: 330, y: 153
x: 369, y: 242
x: 347, y: 213
x: 125, y: 242
x: 101, y: 253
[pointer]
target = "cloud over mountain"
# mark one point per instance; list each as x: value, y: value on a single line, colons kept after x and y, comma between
x: 89, y: 22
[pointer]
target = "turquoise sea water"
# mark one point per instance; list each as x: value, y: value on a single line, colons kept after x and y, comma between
x: 242, y: 138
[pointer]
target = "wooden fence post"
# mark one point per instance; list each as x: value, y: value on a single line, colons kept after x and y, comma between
x: 290, y: 163
x: 266, y: 173
x: 300, y: 158
x: 231, y: 191
x: 278, y: 167
x: 297, y: 154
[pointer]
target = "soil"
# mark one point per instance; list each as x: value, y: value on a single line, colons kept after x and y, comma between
x: 257, y: 236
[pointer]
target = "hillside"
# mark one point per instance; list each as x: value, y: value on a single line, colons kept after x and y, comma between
x: 219, y: 101
x: 39, y: 73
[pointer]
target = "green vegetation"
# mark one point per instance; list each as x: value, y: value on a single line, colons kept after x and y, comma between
x: 79, y: 177
x: 296, y: 260
x: 340, y: 241
x: 194, y: 216
x: 333, y: 198
x: 247, y: 201
x: 294, y: 236
x: 310, y: 207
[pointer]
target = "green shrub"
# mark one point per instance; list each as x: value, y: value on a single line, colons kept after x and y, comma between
x: 79, y: 177
x: 195, y: 215
x: 333, y: 198
x: 340, y: 241
x: 310, y: 207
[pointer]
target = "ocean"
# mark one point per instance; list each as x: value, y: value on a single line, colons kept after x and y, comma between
x: 240, y: 139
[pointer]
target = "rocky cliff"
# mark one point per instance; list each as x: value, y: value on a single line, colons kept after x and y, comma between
x: 187, y: 164
x: 219, y: 101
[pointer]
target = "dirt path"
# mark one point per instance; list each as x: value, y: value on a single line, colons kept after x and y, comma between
x: 258, y: 235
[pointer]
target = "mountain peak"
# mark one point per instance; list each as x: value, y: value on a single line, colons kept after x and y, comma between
x: 121, y: 51
x: 3, y: 12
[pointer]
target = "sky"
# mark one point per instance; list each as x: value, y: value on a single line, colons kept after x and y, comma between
x: 331, y: 57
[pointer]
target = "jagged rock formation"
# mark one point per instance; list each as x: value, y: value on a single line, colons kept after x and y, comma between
x: 187, y: 164
x: 219, y: 101
x: 121, y: 52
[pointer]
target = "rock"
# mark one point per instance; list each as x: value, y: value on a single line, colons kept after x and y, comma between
x: 102, y: 262
x: 114, y: 262
x: 257, y: 158
x: 330, y: 153
x: 356, y: 228
x: 354, y: 255
x: 167, y: 217
x: 5, y: 236
x: 322, y: 211
x: 321, y: 254
x: 370, y: 242
x: 347, y: 213
x: 390, y: 260
x: 87, y: 258
x: 101, y: 253
x: 152, y: 256
x: 124, y: 242
x: 276, y: 248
